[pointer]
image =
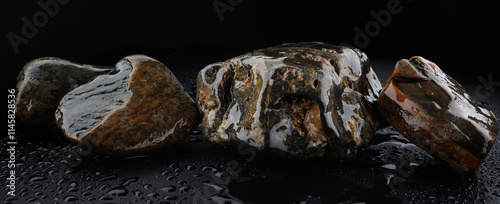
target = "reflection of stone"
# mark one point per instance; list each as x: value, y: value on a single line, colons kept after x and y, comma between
x: 140, y: 106
x: 435, y: 112
x: 301, y: 99
x: 43, y: 82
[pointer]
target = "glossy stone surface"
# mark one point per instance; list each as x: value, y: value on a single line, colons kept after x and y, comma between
x: 437, y: 114
x: 138, y: 107
x: 305, y: 99
x: 43, y: 82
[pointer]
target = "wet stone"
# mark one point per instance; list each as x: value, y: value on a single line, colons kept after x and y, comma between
x: 138, y: 107
x: 43, y: 82
x: 437, y: 114
x: 301, y: 100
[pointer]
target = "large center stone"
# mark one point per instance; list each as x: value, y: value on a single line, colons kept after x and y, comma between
x: 299, y: 99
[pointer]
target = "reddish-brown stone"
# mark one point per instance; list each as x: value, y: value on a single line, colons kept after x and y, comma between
x: 140, y: 106
x: 437, y: 114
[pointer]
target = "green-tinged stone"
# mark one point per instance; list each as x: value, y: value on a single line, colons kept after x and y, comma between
x: 43, y: 82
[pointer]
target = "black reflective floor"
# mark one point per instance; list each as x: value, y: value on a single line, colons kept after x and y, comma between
x: 391, y: 170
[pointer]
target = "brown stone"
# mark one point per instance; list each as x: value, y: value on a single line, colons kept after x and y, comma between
x: 436, y: 113
x: 307, y: 99
x: 138, y: 107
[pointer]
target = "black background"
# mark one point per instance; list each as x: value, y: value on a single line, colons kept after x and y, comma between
x: 460, y: 36
x: 455, y: 34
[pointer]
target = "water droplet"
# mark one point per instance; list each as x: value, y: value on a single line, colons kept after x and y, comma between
x: 147, y: 186
x: 153, y: 195
x: 166, y: 173
x: 170, y: 198
x: 36, y: 186
x: 170, y: 178
x: 107, y: 178
x: 73, y: 184
x: 168, y: 189
x: 171, y: 166
x: 118, y: 191
x: 71, y: 198
x: 72, y: 189
x: 185, y: 189
x: 105, y: 198
x: 89, y: 188
x: 104, y: 187
x: 126, y: 182
x: 10, y: 199
x: 191, y: 167
x: 208, y: 168
x: 137, y: 193
x: 31, y: 199
x: 181, y: 182
x: 38, y: 178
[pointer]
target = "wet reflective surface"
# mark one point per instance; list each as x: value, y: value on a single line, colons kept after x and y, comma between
x: 436, y: 113
x: 391, y: 170
x: 305, y: 99
x: 138, y: 107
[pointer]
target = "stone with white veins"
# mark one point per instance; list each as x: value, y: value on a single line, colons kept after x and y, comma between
x: 306, y: 99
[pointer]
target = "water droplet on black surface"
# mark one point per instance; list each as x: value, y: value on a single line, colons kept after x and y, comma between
x: 71, y: 198
x: 104, y: 198
x: 126, y: 182
x: 191, y: 168
x: 37, y: 178
x: 181, y: 182
x: 185, y: 189
x: 147, y: 186
x: 107, y: 178
x: 73, y: 184
x: 137, y: 193
x: 170, y: 178
x: 170, y: 198
x: 118, y: 191
x: 168, y: 189
x: 72, y: 189
x: 208, y: 168
x: 103, y: 187
x: 153, y: 195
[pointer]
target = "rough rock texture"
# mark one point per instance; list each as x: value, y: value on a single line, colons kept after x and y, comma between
x: 300, y: 99
x: 138, y: 107
x: 43, y: 82
x: 435, y: 112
